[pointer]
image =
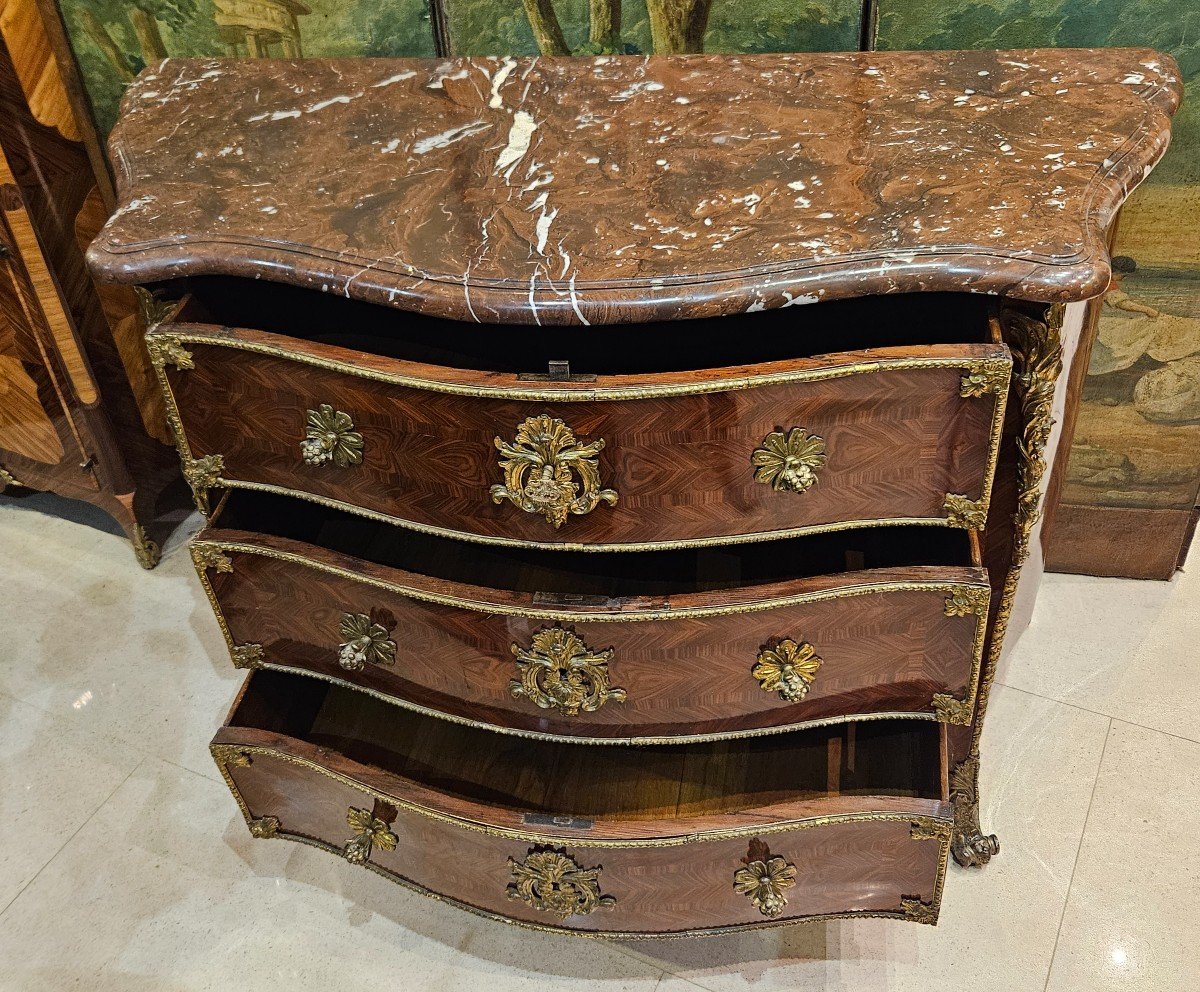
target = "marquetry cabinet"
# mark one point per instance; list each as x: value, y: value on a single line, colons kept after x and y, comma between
x: 583, y: 577
x: 78, y: 412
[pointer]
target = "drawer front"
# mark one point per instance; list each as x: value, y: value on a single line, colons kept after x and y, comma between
x: 884, y: 642
x: 887, y: 862
x: 910, y: 439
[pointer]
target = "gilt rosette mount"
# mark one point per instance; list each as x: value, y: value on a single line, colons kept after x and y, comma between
x: 551, y: 881
x: 788, y: 668
x: 764, y: 879
x: 203, y: 474
x: 263, y: 827
x: 559, y: 671
x: 967, y: 601
x: 789, y: 462
x: 330, y: 437
x: 541, y: 468
x: 364, y: 642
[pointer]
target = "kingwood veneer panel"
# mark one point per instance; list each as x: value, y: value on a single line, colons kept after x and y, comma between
x: 900, y: 433
x: 871, y: 642
x: 666, y: 855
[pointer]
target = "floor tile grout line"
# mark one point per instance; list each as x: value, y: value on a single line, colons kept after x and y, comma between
x: 662, y: 978
x: 1154, y: 730
x: 642, y: 957
x: 1107, y: 716
x: 1078, y: 850
x: 102, y: 735
x: 63, y: 846
x: 1060, y: 702
x: 668, y: 973
x: 215, y: 779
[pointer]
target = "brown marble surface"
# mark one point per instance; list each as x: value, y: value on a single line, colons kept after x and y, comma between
x: 603, y: 189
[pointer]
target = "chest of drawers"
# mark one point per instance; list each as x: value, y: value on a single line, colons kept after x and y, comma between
x: 582, y: 578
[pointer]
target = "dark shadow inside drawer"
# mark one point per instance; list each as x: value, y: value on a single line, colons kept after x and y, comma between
x: 613, y: 350
x: 878, y: 758
x: 577, y: 574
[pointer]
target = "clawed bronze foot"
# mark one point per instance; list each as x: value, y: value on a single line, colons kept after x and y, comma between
x: 971, y: 847
x: 974, y: 850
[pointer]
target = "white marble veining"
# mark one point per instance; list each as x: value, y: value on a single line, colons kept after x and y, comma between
x: 556, y: 189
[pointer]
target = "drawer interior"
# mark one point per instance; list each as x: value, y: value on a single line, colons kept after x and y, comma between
x: 619, y: 349
x: 874, y: 758
x: 610, y: 574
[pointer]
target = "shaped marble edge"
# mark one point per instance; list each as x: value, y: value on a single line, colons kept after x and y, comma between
x: 189, y: 206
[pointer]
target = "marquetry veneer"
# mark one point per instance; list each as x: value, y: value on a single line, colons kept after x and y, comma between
x: 584, y: 581
x: 903, y: 431
x: 676, y: 635
x: 860, y: 821
x: 79, y: 412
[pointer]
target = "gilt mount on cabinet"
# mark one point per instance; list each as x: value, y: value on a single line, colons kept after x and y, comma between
x: 485, y: 511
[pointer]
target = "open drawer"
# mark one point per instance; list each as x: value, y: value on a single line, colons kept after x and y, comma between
x: 666, y: 645
x: 621, y: 841
x: 640, y: 437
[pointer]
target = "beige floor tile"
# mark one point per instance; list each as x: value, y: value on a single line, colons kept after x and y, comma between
x: 672, y: 983
x: 41, y: 545
x: 52, y: 778
x: 998, y: 924
x: 1117, y: 647
x: 1134, y: 907
x: 133, y: 655
x: 164, y: 889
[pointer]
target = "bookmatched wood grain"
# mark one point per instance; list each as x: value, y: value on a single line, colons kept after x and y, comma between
x: 898, y: 439
x: 881, y: 651
x: 68, y: 420
x: 670, y: 873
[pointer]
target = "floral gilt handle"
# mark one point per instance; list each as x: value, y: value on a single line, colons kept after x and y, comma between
x: 788, y: 668
x: 363, y: 642
x: 764, y: 878
x: 330, y: 437
x: 370, y: 831
x: 789, y: 462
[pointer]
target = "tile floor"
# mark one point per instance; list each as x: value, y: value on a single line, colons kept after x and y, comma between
x: 124, y: 864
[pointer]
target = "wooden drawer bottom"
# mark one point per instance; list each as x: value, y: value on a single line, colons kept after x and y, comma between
x: 612, y: 840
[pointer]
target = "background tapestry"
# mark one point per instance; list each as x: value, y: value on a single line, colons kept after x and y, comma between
x: 1137, y: 440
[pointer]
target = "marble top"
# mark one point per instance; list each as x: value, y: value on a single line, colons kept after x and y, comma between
x: 592, y: 190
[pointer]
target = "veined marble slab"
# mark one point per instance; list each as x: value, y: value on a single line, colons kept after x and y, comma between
x: 594, y: 190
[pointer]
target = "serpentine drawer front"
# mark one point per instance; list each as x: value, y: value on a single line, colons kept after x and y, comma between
x: 650, y: 849
x: 602, y: 456
x: 668, y: 645
x: 769, y: 450
x: 714, y: 456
